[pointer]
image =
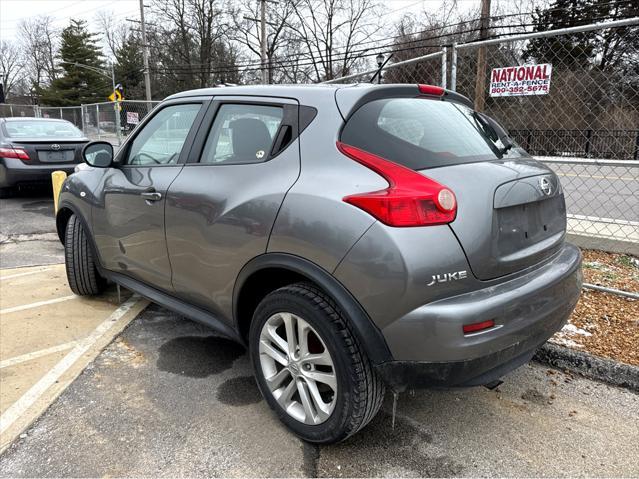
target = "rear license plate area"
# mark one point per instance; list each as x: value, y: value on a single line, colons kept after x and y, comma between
x: 51, y: 156
x: 523, y: 225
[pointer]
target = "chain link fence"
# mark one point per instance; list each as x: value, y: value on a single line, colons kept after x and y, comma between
x: 113, y: 121
x: 590, y: 112
x: 110, y: 121
x: 586, y: 127
x: 429, y: 69
x: 9, y: 110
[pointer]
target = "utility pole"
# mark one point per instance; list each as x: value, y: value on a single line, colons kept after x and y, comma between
x: 263, y: 40
x: 145, y: 55
x: 480, y: 77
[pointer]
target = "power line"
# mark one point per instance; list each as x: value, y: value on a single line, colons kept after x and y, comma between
x: 293, y: 60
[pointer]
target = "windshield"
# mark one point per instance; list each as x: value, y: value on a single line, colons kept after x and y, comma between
x: 421, y: 133
x: 41, y: 129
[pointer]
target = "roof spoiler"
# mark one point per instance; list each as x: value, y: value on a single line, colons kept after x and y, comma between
x: 349, y: 99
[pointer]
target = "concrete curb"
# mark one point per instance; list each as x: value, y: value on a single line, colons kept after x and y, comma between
x: 593, y: 367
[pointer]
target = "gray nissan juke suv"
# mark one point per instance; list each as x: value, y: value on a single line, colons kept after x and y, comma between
x: 352, y: 237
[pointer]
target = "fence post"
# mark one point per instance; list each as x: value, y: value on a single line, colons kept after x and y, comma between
x: 636, y: 155
x: 453, y: 69
x: 116, y: 109
x: 60, y: 112
x: 97, y: 119
x: 10, y: 110
x: 588, y: 140
x: 444, y: 66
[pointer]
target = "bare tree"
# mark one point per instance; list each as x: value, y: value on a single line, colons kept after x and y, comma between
x: 38, y: 41
x: 331, y: 31
x: 190, y: 44
x: 279, y: 17
x: 11, y: 66
x: 115, y: 31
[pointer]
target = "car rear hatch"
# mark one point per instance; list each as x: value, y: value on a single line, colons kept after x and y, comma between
x: 510, y: 215
x: 510, y: 208
x: 51, y: 151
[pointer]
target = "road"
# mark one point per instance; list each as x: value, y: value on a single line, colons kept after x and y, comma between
x: 600, y: 191
x: 170, y: 398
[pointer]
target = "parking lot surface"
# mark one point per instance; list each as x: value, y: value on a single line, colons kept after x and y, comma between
x: 27, y: 230
x: 169, y: 398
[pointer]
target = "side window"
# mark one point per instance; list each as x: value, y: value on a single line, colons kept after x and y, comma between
x: 242, y: 134
x: 160, y: 141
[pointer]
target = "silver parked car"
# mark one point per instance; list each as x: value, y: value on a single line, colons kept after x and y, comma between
x: 352, y: 237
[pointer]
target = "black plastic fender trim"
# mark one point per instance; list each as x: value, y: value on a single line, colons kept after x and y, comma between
x: 369, y: 336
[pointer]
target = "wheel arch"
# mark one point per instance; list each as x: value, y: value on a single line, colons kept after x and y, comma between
x: 65, y: 210
x: 270, y: 271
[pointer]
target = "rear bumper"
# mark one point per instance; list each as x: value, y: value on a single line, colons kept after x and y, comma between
x: 430, y: 348
x: 14, y: 172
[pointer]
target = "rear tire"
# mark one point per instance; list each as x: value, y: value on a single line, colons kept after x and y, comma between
x: 82, y: 274
x: 358, y: 390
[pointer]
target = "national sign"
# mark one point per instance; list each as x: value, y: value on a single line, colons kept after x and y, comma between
x: 521, y: 80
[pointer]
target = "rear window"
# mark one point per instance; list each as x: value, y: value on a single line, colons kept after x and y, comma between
x: 41, y: 129
x: 420, y: 133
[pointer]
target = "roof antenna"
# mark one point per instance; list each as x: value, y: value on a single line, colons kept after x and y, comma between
x: 379, y: 70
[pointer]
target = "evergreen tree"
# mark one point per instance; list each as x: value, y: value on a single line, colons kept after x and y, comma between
x: 601, y: 48
x: 77, y: 84
x: 129, y: 68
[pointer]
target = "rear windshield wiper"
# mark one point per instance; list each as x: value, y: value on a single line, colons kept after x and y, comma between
x: 494, y: 132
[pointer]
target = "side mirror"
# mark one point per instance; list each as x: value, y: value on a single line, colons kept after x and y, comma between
x: 98, y: 154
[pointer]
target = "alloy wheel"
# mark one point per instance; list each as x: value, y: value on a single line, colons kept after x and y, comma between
x: 298, y: 368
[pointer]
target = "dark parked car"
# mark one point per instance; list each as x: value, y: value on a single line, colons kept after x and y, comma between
x: 352, y: 237
x: 32, y: 148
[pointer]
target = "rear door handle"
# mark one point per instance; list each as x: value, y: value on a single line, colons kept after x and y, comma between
x: 151, y: 195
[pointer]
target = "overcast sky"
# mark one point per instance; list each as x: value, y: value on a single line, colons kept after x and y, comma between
x: 12, y: 11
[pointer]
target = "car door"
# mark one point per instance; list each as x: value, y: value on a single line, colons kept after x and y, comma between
x: 128, y: 218
x: 222, y: 206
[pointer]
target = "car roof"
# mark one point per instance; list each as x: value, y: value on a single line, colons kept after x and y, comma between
x: 347, y: 96
x: 306, y: 94
x: 24, y: 118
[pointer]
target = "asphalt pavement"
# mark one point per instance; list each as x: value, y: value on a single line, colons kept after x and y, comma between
x: 27, y: 230
x: 170, y: 398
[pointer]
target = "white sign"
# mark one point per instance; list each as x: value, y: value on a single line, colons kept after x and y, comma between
x: 521, y: 80
x: 132, y: 118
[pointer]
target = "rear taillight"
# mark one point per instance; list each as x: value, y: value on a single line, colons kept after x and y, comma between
x: 411, y: 199
x: 19, y: 153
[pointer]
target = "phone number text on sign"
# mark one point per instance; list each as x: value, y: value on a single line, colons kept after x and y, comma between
x: 521, y: 80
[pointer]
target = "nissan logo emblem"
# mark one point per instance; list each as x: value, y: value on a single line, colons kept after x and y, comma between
x: 55, y: 147
x: 545, y: 185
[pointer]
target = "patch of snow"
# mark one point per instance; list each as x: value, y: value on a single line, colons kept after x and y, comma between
x: 571, y: 329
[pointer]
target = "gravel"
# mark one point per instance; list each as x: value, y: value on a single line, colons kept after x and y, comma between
x: 605, y: 324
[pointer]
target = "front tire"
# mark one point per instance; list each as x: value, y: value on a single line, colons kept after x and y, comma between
x: 310, y: 367
x: 82, y: 274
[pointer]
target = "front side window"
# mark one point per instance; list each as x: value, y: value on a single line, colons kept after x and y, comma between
x: 161, y: 140
x: 420, y: 133
x: 242, y: 134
